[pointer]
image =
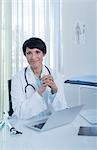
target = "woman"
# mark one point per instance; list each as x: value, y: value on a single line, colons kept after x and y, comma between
x: 37, y: 89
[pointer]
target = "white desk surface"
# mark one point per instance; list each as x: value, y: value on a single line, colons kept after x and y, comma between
x: 62, y: 138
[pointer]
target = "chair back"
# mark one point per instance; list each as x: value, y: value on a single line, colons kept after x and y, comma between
x: 10, y: 112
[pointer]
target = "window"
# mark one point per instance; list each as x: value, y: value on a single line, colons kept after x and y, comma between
x: 19, y: 20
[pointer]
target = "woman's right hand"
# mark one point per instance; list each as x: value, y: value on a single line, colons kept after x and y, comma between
x: 42, y: 88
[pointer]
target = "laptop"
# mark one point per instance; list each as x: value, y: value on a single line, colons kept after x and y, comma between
x: 56, y: 119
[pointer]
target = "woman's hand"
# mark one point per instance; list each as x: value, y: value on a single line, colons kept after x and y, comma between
x: 48, y: 80
x: 42, y: 88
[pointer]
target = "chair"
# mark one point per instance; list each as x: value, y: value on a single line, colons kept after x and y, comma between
x: 10, y: 112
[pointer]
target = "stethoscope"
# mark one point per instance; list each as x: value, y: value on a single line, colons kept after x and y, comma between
x: 30, y: 85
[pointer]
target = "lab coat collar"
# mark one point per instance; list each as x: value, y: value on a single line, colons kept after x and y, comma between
x: 44, y: 71
x: 31, y: 77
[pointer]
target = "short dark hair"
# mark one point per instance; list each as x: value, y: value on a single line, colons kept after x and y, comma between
x: 34, y: 42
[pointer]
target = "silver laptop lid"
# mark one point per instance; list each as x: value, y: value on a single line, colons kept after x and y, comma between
x: 62, y: 117
x: 57, y: 118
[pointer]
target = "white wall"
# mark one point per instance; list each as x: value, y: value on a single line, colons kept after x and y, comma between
x: 96, y: 37
x: 79, y: 59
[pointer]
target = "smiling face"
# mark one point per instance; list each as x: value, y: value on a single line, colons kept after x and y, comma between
x: 34, y: 57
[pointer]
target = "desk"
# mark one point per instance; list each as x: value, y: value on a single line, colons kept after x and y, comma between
x: 62, y: 138
x: 86, y: 84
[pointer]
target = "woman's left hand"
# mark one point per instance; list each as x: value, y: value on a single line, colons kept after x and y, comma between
x: 48, y: 79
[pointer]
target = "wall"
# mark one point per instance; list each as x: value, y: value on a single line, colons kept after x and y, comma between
x: 96, y: 37
x: 79, y: 55
x: 79, y: 58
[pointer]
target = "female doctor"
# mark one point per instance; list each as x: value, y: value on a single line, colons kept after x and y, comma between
x: 36, y: 90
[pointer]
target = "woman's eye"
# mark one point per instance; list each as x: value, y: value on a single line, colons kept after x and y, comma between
x: 28, y: 53
x: 37, y: 52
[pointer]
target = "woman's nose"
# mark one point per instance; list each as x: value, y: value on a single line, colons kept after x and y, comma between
x: 33, y: 56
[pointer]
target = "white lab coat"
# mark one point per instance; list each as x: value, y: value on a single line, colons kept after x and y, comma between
x: 31, y: 104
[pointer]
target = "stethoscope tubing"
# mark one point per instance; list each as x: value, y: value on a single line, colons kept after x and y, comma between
x: 27, y: 84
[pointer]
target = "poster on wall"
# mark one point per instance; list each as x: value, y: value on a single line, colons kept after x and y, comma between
x: 80, y: 33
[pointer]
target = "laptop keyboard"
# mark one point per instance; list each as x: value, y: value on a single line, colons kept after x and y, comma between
x: 40, y: 125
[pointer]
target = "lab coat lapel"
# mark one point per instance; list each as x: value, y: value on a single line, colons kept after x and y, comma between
x: 44, y: 71
x: 31, y: 78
